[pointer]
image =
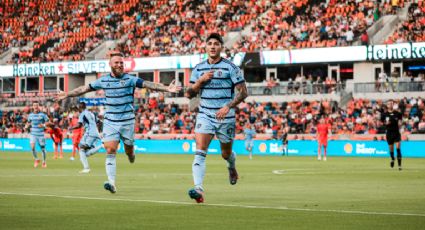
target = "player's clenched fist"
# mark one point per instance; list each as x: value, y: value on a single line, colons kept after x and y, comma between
x: 206, y: 76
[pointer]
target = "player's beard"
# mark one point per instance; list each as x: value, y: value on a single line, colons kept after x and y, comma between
x: 117, y: 71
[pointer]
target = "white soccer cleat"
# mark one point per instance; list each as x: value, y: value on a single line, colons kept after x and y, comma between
x: 84, y: 171
x: 324, y: 158
x: 71, y: 158
x: 319, y: 158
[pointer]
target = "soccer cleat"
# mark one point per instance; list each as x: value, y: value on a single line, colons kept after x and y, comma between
x: 324, y: 158
x: 132, y: 158
x: 36, y: 163
x: 319, y: 158
x: 399, y: 169
x: 72, y: 158
x: 110, y: 187
x: 233, y: 176
x: 197, y: 195
x: 84, y: 171
x: 55, y: 157
x: 44, y: 165
x: 392, y: 164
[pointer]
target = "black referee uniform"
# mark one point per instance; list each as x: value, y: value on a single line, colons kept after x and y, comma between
x: 391, y: 120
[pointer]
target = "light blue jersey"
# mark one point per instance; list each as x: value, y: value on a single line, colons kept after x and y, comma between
x: 88, y: 119
x: 36, y: 119
x: 219, y: 91
x: 249, y: 134
x: 119, y: 93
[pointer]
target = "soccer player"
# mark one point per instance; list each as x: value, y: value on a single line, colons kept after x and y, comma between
x: 91, y: 142
x: 284, y: 139
x: 57, y: 137
x: 77, y: 134
x: 38, y: 122
x: 215, y: 79
x: 119, y: 116
x: 323, y: 129
x: 392, y: 120
x: 249, y: 133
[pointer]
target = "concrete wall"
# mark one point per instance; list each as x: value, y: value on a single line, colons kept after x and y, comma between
x: 363, y: 72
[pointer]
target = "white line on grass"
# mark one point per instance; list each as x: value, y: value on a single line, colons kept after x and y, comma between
x: 217, y: 205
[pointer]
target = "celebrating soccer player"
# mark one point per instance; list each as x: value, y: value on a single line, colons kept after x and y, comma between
x: 38, y: 120
x: 119, y: 116
x: 392, y: 120
x: 91, y: 142
x: 215, y: 79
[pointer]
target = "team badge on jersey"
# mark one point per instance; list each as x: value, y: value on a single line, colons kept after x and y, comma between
x: 219, y: 73
x: 122, y: 82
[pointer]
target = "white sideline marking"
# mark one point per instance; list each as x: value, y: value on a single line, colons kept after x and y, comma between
x: 217, y: 205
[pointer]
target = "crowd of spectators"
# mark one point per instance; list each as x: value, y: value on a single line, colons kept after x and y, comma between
x: 61, y: 30
x: 153, y: 116
x: 314, y: 23
x: 67, y: 30
x: 180, y: 27
x: 413, y: 29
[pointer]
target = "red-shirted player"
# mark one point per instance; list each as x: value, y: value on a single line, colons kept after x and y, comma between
x: 323, y: 129
x: 57, y: 137
x: 77, y: 134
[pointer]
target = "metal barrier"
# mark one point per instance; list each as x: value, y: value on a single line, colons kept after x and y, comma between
x: 383, y: 87
x: 286, y: 88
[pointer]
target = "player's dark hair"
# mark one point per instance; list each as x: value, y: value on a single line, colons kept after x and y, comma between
x: 215, y: 36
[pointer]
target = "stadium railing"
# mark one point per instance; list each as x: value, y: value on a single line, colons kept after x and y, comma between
x: 376, y: 87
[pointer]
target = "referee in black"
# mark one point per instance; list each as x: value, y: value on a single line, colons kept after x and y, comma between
x: 284, y: 139
x: 392, y: 120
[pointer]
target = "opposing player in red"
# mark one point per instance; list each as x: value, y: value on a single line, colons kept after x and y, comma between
x: 77, y: 134
x: 323, y: 129
x: 57, y: 137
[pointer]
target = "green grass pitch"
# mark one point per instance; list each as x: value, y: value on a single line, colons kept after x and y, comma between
x: 272, y: 193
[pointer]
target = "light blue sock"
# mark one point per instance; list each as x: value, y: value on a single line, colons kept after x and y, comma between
x: 94, y: 150
x: 231, y: 161
x: 111, y: 167
x: 198, y: 168
x: 83, y: 159
x: 34, y: 154
x: 43, y: 152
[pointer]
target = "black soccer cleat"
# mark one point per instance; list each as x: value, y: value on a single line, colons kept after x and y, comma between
x: 132, y: 158
x: 392, y: 164
x: 233, y: 176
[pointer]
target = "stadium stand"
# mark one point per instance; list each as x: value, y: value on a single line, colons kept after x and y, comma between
x: 307, y: 24
x: 413, y: 28
x: 361, y: 116
x: 67, y: 30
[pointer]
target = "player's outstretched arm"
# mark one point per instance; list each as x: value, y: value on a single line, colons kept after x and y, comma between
x: 74, y: 93
x: 241, y: 94
x: 172, y: 88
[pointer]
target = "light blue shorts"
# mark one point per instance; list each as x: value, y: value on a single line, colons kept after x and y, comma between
x: 225, y: 132
x: 40, y: 140
x: 249, y: 144
x: 89, y: 141
x: 113, y: 131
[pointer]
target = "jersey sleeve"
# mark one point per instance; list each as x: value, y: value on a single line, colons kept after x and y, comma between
x: 46, y: 118
x: 96, y: 84
x: 195, y: 75
x: 136, y: 81
x: 236, y: 76
x: 400, y: 116
x: 81, y: 118
x: 29, y: 117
